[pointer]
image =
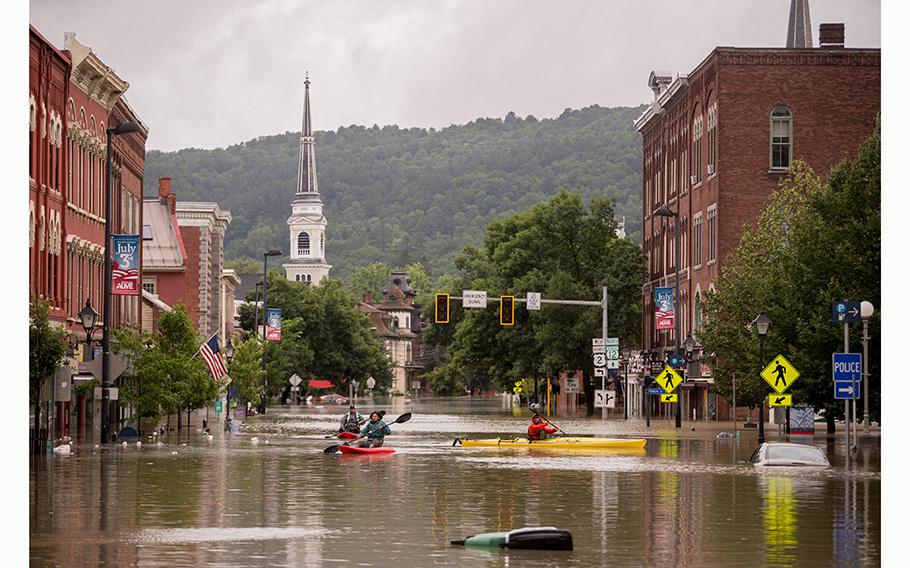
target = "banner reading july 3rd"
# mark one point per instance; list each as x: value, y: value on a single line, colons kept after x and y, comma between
x: 125, y: 267
x: 663, y: 307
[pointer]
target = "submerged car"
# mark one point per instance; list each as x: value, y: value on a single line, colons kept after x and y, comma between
x: 333, y: 399
x: 787, y: 454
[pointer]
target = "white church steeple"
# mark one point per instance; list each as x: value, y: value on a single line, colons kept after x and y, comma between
x: 307, y: 223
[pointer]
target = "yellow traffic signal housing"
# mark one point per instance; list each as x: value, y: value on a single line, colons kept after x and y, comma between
x: 442, y: 308
x: 507, y: 310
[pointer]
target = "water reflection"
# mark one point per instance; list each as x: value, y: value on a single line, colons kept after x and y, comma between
x: 678, y: 502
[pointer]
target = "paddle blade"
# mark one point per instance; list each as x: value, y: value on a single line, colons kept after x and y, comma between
x: 403, y: 418
x: 331, y: 449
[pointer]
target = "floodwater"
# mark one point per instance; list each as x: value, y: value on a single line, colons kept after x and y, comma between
x: 685, y: 500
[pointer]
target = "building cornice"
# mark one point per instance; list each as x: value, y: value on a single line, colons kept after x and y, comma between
x: 98, y: 81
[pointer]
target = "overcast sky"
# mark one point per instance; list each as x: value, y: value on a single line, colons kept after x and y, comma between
x: 210, y: 73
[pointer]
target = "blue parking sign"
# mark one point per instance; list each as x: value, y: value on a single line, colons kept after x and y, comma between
x: 847, y: 366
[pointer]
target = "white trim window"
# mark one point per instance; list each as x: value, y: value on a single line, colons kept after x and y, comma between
x: 781, y: 138
x: 303, y: 244
x: 696, y: 240
x: 150, y: 284
x: 712, y: 139
x: 712, y: 234
x: 697, y: 131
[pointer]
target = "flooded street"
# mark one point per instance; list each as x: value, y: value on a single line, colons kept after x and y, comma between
x: 278, y: 500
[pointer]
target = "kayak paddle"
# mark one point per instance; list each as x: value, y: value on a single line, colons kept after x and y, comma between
x: 400, y: 420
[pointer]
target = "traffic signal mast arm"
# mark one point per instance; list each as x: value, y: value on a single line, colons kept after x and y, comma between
x: 543, y: 301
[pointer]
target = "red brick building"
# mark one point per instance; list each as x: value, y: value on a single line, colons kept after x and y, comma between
x: 183, y: 259
x: 716, y: 143
x: 48, y: 88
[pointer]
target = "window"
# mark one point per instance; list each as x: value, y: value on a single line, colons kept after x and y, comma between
x: 309, y: 277
x: 696, y: 325
x: 322, y: 243
x: 149, y: 285
x: 712, y: 234
x: 781, y: 138
x: 696, y: 240
x: 303, y: 244
x: 697, y: 131
x: 146, y: 232
x: 712, y: 139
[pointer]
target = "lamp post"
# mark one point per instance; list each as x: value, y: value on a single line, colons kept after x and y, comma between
x: 229, y: 355
x: 866, y: 309
x: 265, y: 288
x: 256, y: 308
x: 666, y: 212
x: 761, y: 323
x: 626, y: 353
x: 89, y: 318
x: 646, y: 367
x: 689, y: 346
x: 106, y: 381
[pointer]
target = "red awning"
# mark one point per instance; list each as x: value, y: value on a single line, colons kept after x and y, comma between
x: 321, y: 384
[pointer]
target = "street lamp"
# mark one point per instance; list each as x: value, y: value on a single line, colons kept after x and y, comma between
x: 89, y: 318
x: 866, y: 309
x: 666, y: 212
x: 265, y: 287
x: 124, y: 128
x: 626, y: 353
x: 229, y: 355
x: 761, y: 323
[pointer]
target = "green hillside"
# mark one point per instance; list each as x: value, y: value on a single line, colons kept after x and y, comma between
x: 412, y: 195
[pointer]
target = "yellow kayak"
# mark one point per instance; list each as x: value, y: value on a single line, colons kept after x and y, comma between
x: 562, y: 442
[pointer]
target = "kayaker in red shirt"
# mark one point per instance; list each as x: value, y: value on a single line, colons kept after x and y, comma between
x: 539, y: 428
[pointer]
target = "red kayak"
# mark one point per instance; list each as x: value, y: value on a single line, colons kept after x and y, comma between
x: 347, y: 435
x: 359, y: 450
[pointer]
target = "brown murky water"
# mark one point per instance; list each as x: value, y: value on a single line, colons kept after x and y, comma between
x: 282, y: 502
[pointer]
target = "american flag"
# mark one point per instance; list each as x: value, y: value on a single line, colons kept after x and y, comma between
x: 213, y: 359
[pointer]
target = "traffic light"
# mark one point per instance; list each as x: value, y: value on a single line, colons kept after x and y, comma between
x: 507, y: 310
x: 442, y: 308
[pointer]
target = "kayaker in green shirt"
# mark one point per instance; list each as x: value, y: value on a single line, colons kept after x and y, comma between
x: 375, y: 432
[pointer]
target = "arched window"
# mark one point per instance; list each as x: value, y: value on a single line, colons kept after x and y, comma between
x: 697, y: 322
x: 297, y: 278
x: 303, y: 244
x: 322, y: 243
x: 309, y: 277
x: 781, y: 138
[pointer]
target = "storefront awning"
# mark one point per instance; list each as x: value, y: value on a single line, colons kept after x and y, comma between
x: 320, y: 384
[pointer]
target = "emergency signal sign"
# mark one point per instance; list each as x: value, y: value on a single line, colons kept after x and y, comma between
x: 442, y: 308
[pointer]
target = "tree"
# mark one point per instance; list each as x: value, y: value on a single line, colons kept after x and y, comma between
x: 148, y: 389
x: 46, y: 349
x: 246, y: 370
x: 563, y: 250
x: 193, y: 386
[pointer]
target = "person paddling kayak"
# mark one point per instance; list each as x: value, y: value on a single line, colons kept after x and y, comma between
x: 539, y: 428
x: 351, y: 421
x: 375, y: 432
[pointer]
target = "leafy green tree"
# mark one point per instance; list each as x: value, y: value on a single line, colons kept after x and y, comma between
x: 46, y: 349
x: 193, y: 386
x: 370, y: 278
x: 246, y: 370
x: 148, y: 388
x: 563, y: 250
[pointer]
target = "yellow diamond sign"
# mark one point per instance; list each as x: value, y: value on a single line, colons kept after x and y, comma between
x: 668, y: 379
x: 780, y: 400
x: 780, y: 374
x: 669, y: 397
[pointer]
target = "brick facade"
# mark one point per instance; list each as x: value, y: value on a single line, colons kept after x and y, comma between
x: 833, y: 96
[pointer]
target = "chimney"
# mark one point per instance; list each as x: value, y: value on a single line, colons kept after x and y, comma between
x: 164, y: 187
x: 368, y: 298
x: 831, y: 36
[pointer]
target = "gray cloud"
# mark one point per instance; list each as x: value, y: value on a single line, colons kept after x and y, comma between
x: 209, y: 73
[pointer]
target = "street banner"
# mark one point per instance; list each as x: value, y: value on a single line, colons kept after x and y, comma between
x: 273, y: 327
x: 125, y: 265
x: 663, y: 307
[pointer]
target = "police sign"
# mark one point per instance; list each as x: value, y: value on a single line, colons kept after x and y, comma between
x: 847, y: 366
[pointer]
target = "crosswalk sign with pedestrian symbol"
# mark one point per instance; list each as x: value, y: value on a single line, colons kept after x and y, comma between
x: 780, y: 374
x: 780, y: 400
x: 668, y: 379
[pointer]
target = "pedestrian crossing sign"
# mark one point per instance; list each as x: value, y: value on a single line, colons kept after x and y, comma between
x: 671, y: 397
x: 780, y: 374
x: 780, y: 400
x: 669, y: 379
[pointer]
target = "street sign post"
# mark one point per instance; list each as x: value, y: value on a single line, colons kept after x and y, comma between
x: 655, y: 390
x: 669, y: 397
x: 600, y: 371
x: 474, y: 299
x: 294, y: 380
x: 845, y: 311
x: 780, y: 374
x: 604, y: 399
x: 533, y: 301
x: 600, y: 360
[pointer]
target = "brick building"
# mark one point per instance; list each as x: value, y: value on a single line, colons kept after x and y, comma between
x: 183, y: 259
x: 48, y: 89
x: 716, y: 143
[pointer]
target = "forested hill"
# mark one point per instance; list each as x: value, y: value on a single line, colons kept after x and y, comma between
x: 412, y: 195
